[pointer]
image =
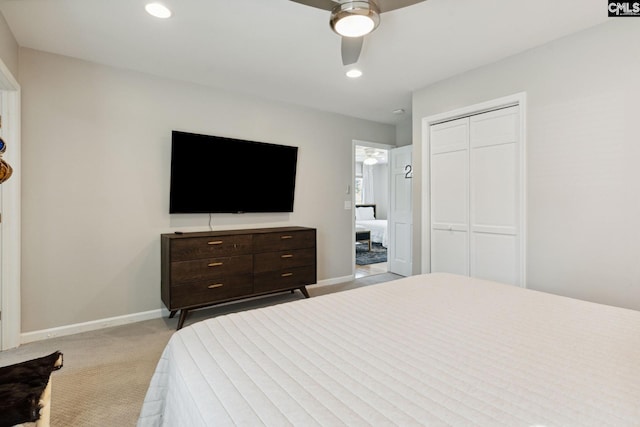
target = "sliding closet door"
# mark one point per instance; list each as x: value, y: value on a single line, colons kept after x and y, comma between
x: 450, y: 197
x: 476, y: 196
x: 495, y: 181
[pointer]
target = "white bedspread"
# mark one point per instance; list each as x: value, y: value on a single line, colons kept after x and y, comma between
x: 378, y: 228
x: 423, y: 350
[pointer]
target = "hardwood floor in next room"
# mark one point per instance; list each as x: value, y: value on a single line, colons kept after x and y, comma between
x: 370, y: 270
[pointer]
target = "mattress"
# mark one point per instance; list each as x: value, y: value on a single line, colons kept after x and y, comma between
x: 434, y: 349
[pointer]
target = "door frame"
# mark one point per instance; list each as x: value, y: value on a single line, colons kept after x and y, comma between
x: 519, y: 99
x: 10, y: 238
x: 351, y: 190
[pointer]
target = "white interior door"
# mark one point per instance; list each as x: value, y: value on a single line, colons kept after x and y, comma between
x: 450, y: 197
x: 495, y: 182
x: 400, y: 213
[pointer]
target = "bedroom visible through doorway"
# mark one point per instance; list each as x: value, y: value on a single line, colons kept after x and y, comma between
x: 371, y: 199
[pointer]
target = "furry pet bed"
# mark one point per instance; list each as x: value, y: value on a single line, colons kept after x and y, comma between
x: 25, y: 391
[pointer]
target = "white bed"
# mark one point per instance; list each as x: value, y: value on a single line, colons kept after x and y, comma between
x: 423, y: 350
x: 366, y: 219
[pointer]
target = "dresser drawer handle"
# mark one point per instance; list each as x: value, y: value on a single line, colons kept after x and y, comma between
x: 286, y: 274
x: 286, y: 237
x: 215, y: 242
x: 217, y: 285
x: 286, y: 256
x: 215, y: 264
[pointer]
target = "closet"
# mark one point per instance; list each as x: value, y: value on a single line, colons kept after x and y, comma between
x: 477, y: 196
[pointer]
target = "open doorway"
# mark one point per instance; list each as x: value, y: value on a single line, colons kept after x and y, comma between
x: 10, y: 212
x: 371, y: 199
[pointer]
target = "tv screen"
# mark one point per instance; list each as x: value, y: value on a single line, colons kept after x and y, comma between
x: 212, y: 174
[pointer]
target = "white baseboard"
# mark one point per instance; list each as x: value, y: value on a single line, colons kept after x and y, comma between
x: 94, y: 325
x: 333, y: 281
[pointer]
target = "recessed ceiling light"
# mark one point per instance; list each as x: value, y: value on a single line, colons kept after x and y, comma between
x: 158, y: 10
x: 354, y: 73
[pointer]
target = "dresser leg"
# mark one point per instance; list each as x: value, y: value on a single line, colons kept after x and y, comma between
x: 183, y: 316
x: 304, y: 291
x: 173, y: 313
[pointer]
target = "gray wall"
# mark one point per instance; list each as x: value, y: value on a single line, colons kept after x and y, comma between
x: 583, y: 150
x: 96, y: 155
x: 8, y: 47
x: 403, y: 131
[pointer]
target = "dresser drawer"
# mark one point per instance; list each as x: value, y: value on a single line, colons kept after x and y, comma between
x: 284, y: 279
x: 209, y: 247
x: 279, y: 241
x: 270, y: 261
x: 210, y: 291
x: 210, y: 268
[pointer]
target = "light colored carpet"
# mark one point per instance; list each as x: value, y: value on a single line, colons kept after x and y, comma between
x: 106, y: 373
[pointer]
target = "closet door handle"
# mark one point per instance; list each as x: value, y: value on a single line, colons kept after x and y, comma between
x: 216, y: 285
x: 215, y: 242
x: 215, y: 264
x: 286, y: 256
x: 286, y: 274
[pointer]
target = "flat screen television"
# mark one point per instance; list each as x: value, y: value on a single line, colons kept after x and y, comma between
x: 213, y: 174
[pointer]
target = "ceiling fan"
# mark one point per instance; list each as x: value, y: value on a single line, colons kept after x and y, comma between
x: 374, y: 156
x: 354, y: 19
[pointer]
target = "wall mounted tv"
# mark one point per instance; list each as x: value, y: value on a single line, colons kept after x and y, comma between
x: 212, y: 174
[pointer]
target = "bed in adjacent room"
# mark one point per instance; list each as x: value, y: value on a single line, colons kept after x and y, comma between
x: 366, y: 219
x: 434, y: 349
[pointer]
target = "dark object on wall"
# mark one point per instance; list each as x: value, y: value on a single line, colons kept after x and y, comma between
x: 211, y: 174
x: 5, y: 168
x: 25, y: 391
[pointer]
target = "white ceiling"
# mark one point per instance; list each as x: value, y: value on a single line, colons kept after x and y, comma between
x: 285, y: 51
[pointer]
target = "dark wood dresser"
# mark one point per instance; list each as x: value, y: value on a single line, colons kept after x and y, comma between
x: 207, y: 268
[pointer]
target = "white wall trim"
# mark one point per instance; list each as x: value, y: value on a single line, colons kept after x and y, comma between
x: 372, y: 144
x: 11, y: 201
x: 7, y: 81
x: 126, y: 319
x: 519, y: 99
x: 93, y: 325
x: 334, y: 281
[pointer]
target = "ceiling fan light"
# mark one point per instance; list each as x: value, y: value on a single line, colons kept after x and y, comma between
x: 354, y: 73
x: 355, y: 18
x: 158, y: 10
x: 370, y: 161
x: 354, y: 26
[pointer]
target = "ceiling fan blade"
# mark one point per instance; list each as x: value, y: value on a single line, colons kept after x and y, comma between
x: 320, y: 4
x: 351, y: 48
x: 387, y: 5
